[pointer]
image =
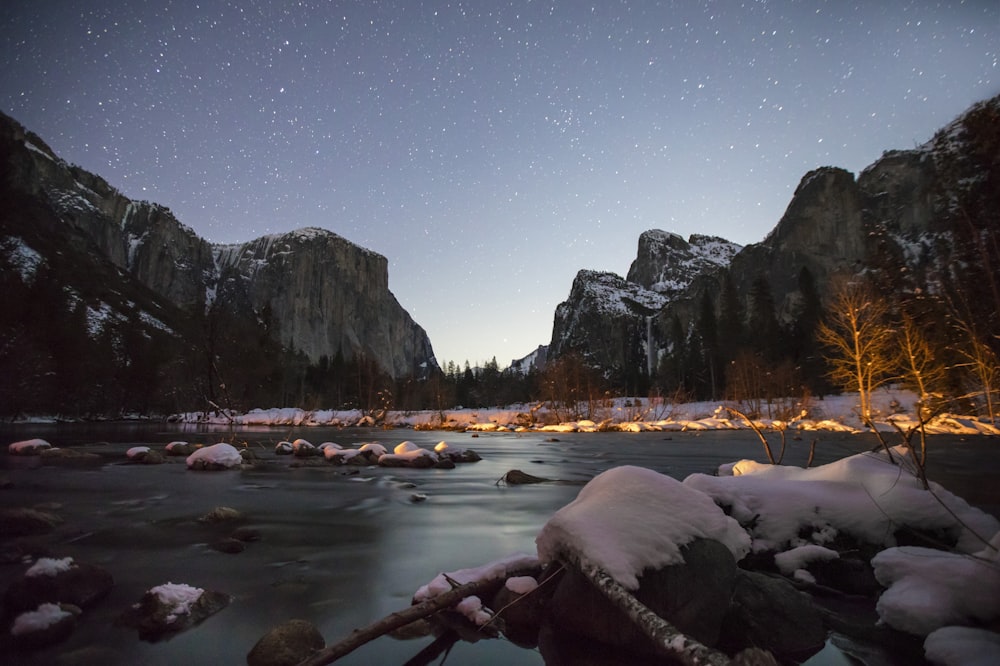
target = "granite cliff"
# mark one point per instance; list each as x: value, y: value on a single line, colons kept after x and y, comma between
x: 917, y: 217
x: 326, y: 295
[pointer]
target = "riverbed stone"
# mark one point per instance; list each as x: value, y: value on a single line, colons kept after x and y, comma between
x: 286, y: 644
x: 180, y: 449
x: 59, y: 456
x: 768, y: 612
x: 82, y: 585
x: 21, y: 521
x: 156, y: 620
x: 228, y: 546
x: 28, y: 447
x: 693, y: 596
x: 44, y: 636
x: 221, y: 514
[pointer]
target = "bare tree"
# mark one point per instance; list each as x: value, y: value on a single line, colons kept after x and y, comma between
x: 859, y: 334
x: 983, y: 363
x: 922, y: 369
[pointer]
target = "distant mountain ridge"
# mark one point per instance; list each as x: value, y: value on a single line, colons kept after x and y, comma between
x: 327, y: 296
x: 908, y: 216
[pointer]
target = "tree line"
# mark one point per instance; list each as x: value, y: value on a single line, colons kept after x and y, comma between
x: 56, y: 359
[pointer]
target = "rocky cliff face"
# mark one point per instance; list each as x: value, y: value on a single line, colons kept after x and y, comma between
x: 904, y: 215
x: 326, y: 294
x: 605, y: 319
x: 609, y: 319
x: 666, y: 263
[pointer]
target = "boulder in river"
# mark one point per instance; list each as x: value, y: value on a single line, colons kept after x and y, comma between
x: 170, y: 608
x: 43, y: 626
x: 58, y: 581
x: 287, y: 644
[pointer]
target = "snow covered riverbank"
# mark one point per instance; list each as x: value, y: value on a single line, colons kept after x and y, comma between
x: 831, y: 413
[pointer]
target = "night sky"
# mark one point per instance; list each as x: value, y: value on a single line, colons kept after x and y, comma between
x: 489, y: 150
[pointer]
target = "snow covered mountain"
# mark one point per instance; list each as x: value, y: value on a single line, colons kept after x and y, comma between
x: 325, y: 295
x: 666, y: 263
x: 923, y: 220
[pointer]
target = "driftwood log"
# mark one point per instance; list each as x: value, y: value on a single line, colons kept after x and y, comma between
x: 393, y: 621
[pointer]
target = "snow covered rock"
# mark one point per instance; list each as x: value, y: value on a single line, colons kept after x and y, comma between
x: 46, y: 625
x: 170, y: 608
x: 408, y: 454
x: 302, y: 448
x: 28, y: 447
x: 179, y: 449
x: 862, y: 496
x: 215, y: 457
x: 62, y: 580
x: 629, y: 519
x: 524, y: 609
x: 922, y: 595
x: 144, y: 455
x: 963, y: 646
x: 456, y: 455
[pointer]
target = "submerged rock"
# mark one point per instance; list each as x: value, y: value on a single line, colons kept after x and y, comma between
x: 18, y: 522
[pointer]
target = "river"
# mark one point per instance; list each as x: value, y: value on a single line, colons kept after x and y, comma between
x: 342, y: 547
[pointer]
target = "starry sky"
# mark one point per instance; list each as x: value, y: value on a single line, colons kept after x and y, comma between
x: 489, y: 150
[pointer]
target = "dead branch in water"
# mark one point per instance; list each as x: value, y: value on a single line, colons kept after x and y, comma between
x: 393, y: 621
x: 763, y: 440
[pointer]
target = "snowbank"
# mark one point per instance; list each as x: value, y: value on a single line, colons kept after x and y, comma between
x: 629, y: 519
x: 832, y: 413
x: 963, y: 646
x: 863, y: 495
x: 924, y: 593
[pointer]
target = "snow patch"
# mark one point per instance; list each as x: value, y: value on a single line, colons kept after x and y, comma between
x: 43, y: 617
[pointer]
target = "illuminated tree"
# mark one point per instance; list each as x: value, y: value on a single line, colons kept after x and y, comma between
x: 860, y: 338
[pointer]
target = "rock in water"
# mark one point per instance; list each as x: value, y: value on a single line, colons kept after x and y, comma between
x: 769, y: 613
x: 77, y: 583
x: 286, y: 645
x: 168, y: 609
x: 693, y: 596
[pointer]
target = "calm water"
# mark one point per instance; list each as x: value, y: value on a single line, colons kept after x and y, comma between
x: 341, y: 547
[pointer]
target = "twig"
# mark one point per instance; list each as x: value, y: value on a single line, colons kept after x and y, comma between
x: 763, y: 440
